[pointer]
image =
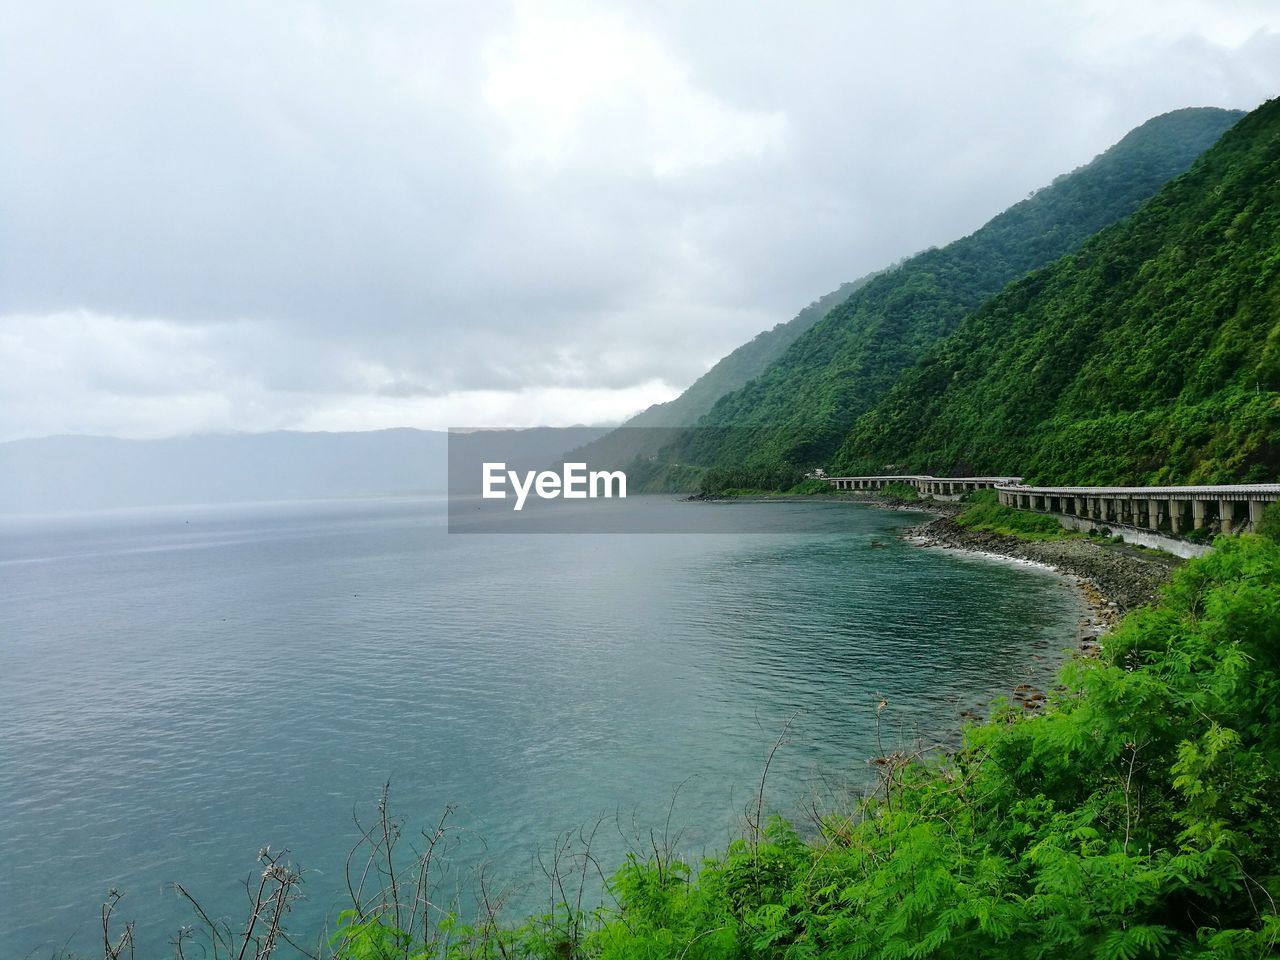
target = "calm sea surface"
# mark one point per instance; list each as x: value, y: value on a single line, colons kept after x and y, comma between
x: 179, y: 688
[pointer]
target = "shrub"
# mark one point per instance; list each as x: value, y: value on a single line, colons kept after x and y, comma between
x: 901, y: 491
x: 1269, y: 525
x: 986, y: 514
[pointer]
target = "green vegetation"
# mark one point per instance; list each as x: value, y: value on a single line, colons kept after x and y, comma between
x: 1269, y: 525
x: 1150, y: 356
x: 1134, y: 817
x: 899, y: 491
x: 800, y: 409
x: 986, y: 514
x: 805, y: 488
x: 770, y: 477
x: 813, y: 488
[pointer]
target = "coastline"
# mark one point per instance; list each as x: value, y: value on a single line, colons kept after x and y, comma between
x: 1112, y: 579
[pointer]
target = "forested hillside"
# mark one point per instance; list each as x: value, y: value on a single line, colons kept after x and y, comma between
x: 1152, y: 354
x: 805, y: 403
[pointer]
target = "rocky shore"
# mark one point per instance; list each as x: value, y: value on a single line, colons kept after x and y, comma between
x: 1115, y: 578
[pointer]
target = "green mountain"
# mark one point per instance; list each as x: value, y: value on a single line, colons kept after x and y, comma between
x: 802, y: 407
x: 1150, y: 355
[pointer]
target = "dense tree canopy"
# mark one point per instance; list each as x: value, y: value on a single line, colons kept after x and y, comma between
x: 1150, y: 355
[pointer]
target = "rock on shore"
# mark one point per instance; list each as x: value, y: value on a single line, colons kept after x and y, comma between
x: 1123, y: 577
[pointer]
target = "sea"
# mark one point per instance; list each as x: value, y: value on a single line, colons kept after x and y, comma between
x: 183, y: 687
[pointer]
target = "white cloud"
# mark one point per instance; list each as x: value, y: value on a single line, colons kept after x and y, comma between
x: 304, y: 214
x: 82, y: 372
x: 578, y: 85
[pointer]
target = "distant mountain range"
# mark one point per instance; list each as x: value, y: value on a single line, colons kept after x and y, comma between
x: 52, y: 474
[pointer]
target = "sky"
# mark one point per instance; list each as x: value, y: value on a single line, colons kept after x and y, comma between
x: 348, y: 216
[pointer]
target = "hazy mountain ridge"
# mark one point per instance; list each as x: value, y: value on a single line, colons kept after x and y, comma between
x: 52, y: 474
x: 91, y: 473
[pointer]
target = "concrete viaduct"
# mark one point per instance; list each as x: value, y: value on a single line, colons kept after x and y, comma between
x: 949, y: 488
x: 1224, y: 509
x: 1154, y: 516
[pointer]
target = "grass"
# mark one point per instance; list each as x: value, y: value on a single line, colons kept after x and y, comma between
x: 805, y: 488
x: 985, y: 514
x: 899, y: 491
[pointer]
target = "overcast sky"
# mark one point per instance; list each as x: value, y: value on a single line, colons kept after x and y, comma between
x: 226, y: 216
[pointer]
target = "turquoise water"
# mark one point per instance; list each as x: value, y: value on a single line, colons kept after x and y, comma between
x: 181, y: 687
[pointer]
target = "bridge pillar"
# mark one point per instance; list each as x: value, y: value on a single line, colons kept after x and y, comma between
x: 1198, y: 514
x: 1082, y: 507
x: 1153, y: 514
x: 1175, y: 516
x: 1226, y: 516
x: 1255, y: 514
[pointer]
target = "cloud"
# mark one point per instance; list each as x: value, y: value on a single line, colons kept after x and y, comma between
x: 244, y: 216
x: 157, y: 378
x: 593, y: 89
